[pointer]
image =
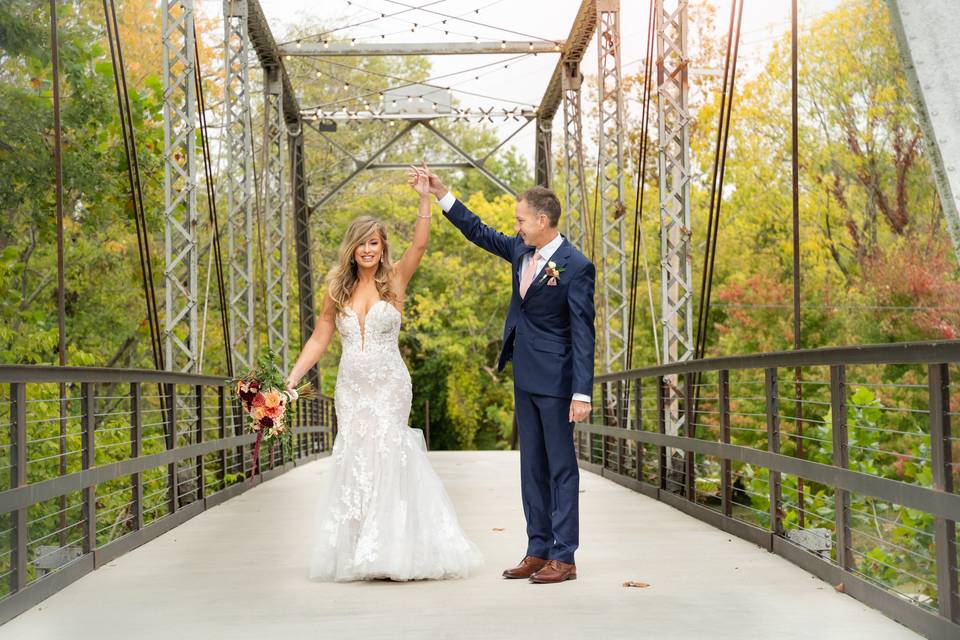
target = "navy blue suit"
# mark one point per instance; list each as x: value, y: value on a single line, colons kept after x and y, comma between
x: 549, y: 334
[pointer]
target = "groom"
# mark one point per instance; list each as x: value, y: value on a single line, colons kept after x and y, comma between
x: 549, y: 335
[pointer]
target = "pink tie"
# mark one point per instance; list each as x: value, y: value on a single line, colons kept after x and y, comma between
x: 527, y: 279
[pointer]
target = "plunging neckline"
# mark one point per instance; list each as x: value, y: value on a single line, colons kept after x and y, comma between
x: 363, y: 324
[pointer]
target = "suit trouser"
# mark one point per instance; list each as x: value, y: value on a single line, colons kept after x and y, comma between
x: 549, y: 476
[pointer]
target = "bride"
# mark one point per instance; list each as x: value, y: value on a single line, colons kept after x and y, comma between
x: 385, y: 514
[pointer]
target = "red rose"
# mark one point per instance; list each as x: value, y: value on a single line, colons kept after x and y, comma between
x: 258, y: 400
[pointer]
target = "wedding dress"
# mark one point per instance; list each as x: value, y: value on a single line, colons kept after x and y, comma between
x: 385, y: 513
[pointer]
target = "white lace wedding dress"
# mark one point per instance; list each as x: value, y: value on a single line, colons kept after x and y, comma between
x: 385, y: 513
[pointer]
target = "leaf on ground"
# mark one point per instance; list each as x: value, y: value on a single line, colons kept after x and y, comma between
x: 498, y: 529
x: 634, y: 583
x: 838, y: 587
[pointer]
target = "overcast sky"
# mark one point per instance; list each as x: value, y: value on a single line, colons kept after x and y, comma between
x: 525, y: 80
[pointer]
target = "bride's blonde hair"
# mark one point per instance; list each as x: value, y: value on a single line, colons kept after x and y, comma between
x: 342, y: 279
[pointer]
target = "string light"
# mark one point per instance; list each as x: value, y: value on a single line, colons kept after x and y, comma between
x: 326, y: 44
x: 368, y: 91
x: 299, y: 44
x: 503, y: 44
x: 353, y: 42
x: 380, y: 15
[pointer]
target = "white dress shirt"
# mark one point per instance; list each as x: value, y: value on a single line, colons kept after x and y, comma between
x: 546, y: 252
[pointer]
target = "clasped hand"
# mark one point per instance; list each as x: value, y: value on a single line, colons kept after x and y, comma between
x: 424, y: 181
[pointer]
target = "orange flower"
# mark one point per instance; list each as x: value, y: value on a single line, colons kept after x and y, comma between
x: 273, y: 412
x: 272, y: 398
x: 258, y: 400
x: 259, y: 412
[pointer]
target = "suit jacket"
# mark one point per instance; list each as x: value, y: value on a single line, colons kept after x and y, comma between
x: 549, y: 334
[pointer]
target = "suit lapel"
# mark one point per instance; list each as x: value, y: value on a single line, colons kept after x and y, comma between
x: 559, y: 257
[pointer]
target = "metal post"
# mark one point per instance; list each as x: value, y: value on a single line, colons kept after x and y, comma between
x: 673, y: 119
x: 239, y: 183
x: 180, y: 182
x: 222, y: 433
x: 426, y: 411
x: 88, y: 461
x: 18, y: 478
x: 575, y: 191
x: 136, y: 450
x: 841, y: 499
x: 201, y: 491
x: 61, y: 285
x: 773, y: 446
x: 621, y: 422
x: 638, y: 425
x: 944, y: 529
x: 171, y: 442
x: 723, y: 394
x: 689, y: 457
x: 661, y: 428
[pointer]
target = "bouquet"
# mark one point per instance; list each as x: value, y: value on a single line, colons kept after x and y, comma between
x: 266, y: 400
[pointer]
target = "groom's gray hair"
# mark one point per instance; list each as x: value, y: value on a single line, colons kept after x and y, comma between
x: 545, y: 201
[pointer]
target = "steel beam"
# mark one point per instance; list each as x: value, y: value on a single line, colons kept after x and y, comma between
x: 240, y: 184
x: 181, y: 337
x: 466, y: 156
x: 584, y: 26
x: 927, y: 38
x: 301, y: 224
x: 575, y: 192
x: 544, y: 155
x: 673, y: 119
x: 611, y: 180
x: 275, y: 217
x: 269, y: 55
x: 362, y: 165
x: 330, y: 49
x: 334, y: 117
x: 369, y: 163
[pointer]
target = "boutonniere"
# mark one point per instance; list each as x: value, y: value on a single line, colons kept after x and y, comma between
x: 551, y: 273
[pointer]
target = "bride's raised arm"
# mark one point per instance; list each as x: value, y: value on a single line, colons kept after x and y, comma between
x: 317, y: 344
x: 407, y: 265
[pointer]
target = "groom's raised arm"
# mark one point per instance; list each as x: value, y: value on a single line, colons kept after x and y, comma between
x: 474, y: 229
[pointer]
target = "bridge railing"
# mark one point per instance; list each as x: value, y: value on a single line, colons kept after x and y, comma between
x: 849, y: 472
x: 95, y: 462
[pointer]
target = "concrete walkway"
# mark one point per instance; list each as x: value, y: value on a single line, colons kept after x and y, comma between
x: 239, y: 571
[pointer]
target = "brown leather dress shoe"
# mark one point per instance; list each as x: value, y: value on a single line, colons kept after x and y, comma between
x: 527, y: 567
x: 555, y: 571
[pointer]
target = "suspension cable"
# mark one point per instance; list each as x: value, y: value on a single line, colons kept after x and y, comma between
x: 719, y: 169
x: 133, y: 175
x: 639, y: 243
x: 212, y: 206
